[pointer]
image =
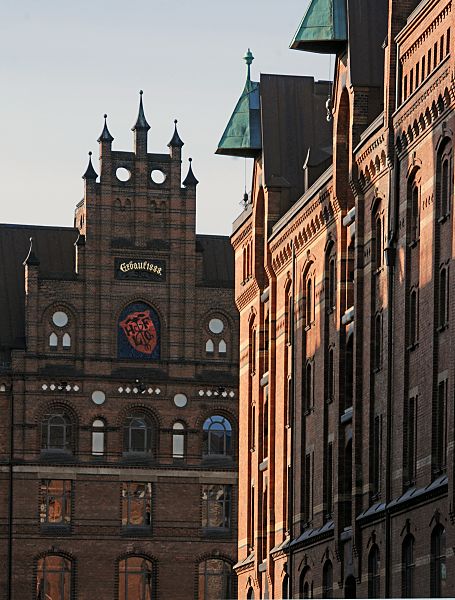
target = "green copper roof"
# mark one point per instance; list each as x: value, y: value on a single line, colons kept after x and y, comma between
x: 323, y: 28
x: 242, y: 136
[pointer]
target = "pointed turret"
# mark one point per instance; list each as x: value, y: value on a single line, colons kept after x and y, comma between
x: 242, y: 136
x: 31, y: 260
x: 90, y: 173
x: 140, y: 129
x: 105, y: 137
x: 175, y: 142
x: 324, y: 28
x: 190, y: 180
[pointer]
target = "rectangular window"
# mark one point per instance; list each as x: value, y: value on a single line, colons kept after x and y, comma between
x: 448, y: 42
x: 443, y: 308
x: 440, y: 429
x: 413, y: 318
x: 417, y: 75
x: 136, y: 504
x: 216, y: 506
x: 435, y: 55
x: 411, y: 81
x: 308, y: 387
x: 378, y: 341
x: 265, y: 423
x: 423, y: 67
x: 429, y: 62
x: 405, y: 87
x: 55, y: 502
x: 330, y: 376
x: 410, y: 441
x: 441, y: 48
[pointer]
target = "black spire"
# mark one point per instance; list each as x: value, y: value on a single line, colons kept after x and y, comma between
x: 175, y: 142
x: 90, y: 173
x: 31, y: 260
x: 105, y: 134
x: 141, y: 121
x: 190, y: 179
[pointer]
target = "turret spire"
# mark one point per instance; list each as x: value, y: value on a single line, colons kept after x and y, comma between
x: 175, y: 142
x: 105, y: 134
x: 248, y: 58
x: 90, y: 173
x: 190, y: 180
x: 141, y: 121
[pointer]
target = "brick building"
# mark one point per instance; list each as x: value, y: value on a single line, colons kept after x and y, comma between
x: 344, y: 283
x: 118, y: 390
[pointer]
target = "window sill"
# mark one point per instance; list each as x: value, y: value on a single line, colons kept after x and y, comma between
x: 264, y: 379
x: 264, y: 465
x: 346, y: 417
x: 378, y: 271
x: 412, y: 346
x: 442, y: 328
x: 414, y: 243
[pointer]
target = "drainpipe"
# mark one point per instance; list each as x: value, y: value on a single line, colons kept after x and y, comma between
x: 10, y: 500
x: 291, y: 409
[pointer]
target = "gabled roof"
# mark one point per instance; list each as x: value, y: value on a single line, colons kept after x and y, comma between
x: 323, y: 28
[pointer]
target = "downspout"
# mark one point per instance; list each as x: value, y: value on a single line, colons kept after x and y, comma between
x: 10, y: 499
x: 291, y: 428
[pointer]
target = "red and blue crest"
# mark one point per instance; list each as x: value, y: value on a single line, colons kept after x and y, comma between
x: 139, y: 332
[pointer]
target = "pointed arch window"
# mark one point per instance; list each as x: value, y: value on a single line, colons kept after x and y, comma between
x: 327, y: 580
x: 54, y: 578
x: 407, y: 567
x: 378, y: 242
x: 438, y: 572
x: 414, y: 211
x: 66, y: 340
x: 135, y: 579
x: 374, y: 574
x: 309, y: 302
x: 53, y: 340
x: 222, y: 348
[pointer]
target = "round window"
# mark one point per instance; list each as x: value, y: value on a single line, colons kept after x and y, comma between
x: 60, y: 319
x: 122, y: 174
x: 216, y: 325
x: 98, y: 397
x: 180, y: 400
x: 158, y: 176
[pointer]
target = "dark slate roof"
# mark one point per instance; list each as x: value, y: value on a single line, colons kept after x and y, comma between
x: 217, y: 260
x: 54, y: 248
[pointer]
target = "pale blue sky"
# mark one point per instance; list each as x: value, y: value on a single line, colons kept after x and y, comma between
x: 64, y: 63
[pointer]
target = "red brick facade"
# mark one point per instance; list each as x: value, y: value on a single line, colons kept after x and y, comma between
x: 347, y: 308
x: 122, y: 477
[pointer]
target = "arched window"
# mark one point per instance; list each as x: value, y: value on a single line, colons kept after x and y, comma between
x: 407, y: 567
x: 250, y: 594
x: 215, y: 580
x: 222, y: 348
x: 98, y: 437
x: 414, y: 211
x: 135, y: 579
x: 327, y: 580
x: 217, y: 436
x: 349, y: 373
x: 54, y: 578
x: 178, y: 440
x: 378, y: 242
x: 374, y: 575
x: 137, y: 434
x: 309, y: 301
x: 304, y: 583
x: 438, y: 574
x: 209, y: 347
x: 308, y: 399
x: 332, y: 284
x: 445, y: 174
x: 53, y: 340
x: 56, y: 432
x: 66, y: 340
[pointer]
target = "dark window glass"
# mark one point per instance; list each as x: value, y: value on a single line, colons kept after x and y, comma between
x: 414, y: 213
x: 135, y: 579
x: 327, y: 580
x: 308, y: 398
x: 136, y: 504
x: 55, y: 502
x: 330, y: 376
x: 438, y: 571
x: 138, y: 434
x: 413, y: 318
x: 332, y: 283
x: 217, y: 436
x: 440, y: 429
x: 216, y: 506
x: 410, y: 441
x: 408, y: 567
x: 443, y: 293
x: 215, y: 580
x: 374, y: 576
x: 378, y: 341
x: 53, y: 578
x: 285, y: 587
x: 349, y: 372
x: 377, y: 439
x: 329, y: 481
x: 56, y: 432
x: 309, y: 301
x: 347, y: 485
x: 308, y: 488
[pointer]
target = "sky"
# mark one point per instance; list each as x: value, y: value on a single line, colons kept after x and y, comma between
x: 64, y: 64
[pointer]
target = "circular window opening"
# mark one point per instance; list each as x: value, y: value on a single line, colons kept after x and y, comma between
x: 98, y: 397
x: 158, y: 176
x: 122, y: 174
x: 180, y: 400
x: 60, y: 319
x: 216, y: 325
